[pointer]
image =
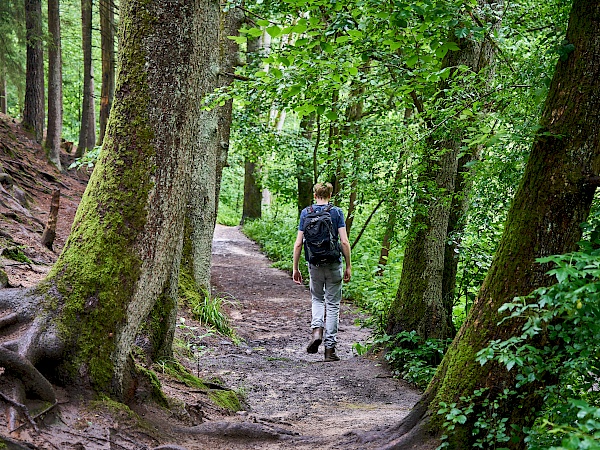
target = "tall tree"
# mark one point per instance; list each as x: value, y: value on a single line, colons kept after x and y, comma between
x: 33, y: 112
x: 127, y: 233
x: 3, y: 93
x: 107, y: 43
x: 553, y: 199
x: 418, y: 304
x: 55, y: 100
x: 87, y: 132
x: 252, y: 206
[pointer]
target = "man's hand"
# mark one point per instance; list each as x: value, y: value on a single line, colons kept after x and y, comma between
x: 297, y: 276
x: 347, y: 274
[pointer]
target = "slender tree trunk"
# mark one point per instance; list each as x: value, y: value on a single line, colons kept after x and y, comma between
x: 107, y: 43
x: 3, y: 94
x: 252, y: 192
x: 304, y: 163
x: 252, y: 189
x: 128, y: 230
x: 418, y: 304
x: 231, y: 22
x: 87, y: 132
x: 353, y: 115
x: 55, y: 97
x: 553, y: 199
x: 390, y: 226
x: 33, y: 113
x: 456, y: 226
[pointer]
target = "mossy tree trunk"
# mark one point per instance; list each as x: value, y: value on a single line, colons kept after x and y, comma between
x: 107, y: 43
x: 33, y: 112
x: 553, y: 199
x: 128, y: 230
x: 55, y: 96
x: 418, y: 304
x: 87, y: 131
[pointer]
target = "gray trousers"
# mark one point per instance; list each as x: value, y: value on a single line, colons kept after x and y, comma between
x: 326, y: 293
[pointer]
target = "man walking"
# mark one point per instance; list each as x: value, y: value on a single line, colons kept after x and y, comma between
x: 325, y: 267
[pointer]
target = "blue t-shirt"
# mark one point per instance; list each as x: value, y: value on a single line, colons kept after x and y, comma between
x: 337, y: 217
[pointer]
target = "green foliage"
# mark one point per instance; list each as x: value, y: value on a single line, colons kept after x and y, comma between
x: 16, y: 254
x: 88, y: 160
x: 411, y: 357
x: 490, y: 428
x: 207, y: 309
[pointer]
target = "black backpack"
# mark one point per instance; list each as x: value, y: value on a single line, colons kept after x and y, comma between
x: 320, y: 239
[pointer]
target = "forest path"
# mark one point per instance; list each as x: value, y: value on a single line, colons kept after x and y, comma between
x: 286, y: 387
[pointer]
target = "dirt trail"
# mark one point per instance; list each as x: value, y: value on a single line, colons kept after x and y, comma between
x: 285, y: 386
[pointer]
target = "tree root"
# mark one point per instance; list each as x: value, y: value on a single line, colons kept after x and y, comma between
x: 410, y: 433
x: 243, y: 430
x: 32, y: 379
x: 23, y: 410
x: 11, y: 444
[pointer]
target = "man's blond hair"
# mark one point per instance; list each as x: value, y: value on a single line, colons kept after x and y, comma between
x: 323, y: 190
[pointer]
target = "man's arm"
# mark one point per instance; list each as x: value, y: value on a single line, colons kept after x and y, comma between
x: 297, y: 276
x: 346, y: 252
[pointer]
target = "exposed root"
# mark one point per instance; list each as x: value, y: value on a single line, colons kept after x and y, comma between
x: 409, y: 433
x: 31, y: 378
x: 21, y: 408
x: 243, y: 430
x: 8, y: 320
x: 11, y: 444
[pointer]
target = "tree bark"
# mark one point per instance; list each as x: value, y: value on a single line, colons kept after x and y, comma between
x: 252, y: 207
x: 3, y: 94
x: 50, y: 231
x: 33, y: 113
x: 418, y: 304
x: 55, y: 100
x: 87, y: 132
x: 304, y: 165
x: 107, y: 43
x: 128, y: 230
x: 544, y: 219
x: 252, y: 192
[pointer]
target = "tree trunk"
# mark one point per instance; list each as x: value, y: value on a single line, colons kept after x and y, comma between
x: 252, y: 192
x: 232, y: 21
x: 390, y: 226
x: 456, y: 226
x: 87, y: 132
x: 554, y: 197
x: 33, y: 113
x: 252, y: 206
x: 418, y: 304
x: 128, y: 230
x: 202, y: 204
x: 55, y: 100
x: 304, y: 165
x: 3, y: 96
x: 107, y: 43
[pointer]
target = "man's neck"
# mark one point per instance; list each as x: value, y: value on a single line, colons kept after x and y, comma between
x: 321, y: 201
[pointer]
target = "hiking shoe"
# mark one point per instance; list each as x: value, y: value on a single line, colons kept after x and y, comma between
x: 330, y: 355
x: 315, y: 341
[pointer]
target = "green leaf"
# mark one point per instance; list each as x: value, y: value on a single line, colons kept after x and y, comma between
x: 353, y: 70
x: 255, y: 32
x: 274, y: 31
x: 275, y: 72
x: 331, y: 115
x: 342, y: 39
x: 238, y: 39
x: 301, y: 42
x: 356, y: 34
x: 412, y: 61
x: 263, y: 23
x: 299, y: 28
x: 327, y: 47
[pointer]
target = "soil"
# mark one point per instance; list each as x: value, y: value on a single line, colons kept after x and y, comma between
x: 291, y: 399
